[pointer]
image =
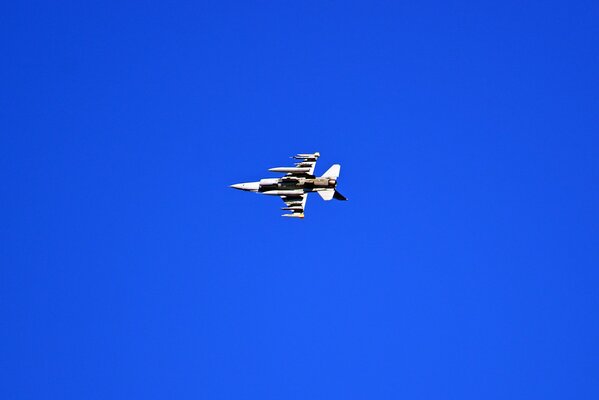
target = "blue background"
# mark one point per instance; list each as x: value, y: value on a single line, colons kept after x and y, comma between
x: 464, y: 266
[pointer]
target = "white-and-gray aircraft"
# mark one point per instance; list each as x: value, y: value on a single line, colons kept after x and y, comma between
x: 298, y: 181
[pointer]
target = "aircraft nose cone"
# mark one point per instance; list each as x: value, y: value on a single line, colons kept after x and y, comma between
x: 249, y: 186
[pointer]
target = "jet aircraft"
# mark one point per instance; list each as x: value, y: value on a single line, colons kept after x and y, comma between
x: 298, y: 181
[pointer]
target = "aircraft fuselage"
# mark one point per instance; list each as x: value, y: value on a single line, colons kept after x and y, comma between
x: 267, y: 185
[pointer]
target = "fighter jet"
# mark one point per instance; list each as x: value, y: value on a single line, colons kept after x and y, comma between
x: 298, y: 181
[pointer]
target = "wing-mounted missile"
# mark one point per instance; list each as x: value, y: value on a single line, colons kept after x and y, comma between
x: 307, y: 156
x: 294, y: 215
x: 290, y: 169
x: 296, y: 208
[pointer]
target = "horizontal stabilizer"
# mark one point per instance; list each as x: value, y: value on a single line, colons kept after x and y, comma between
x: 332, y: 172
x: 326, y: 194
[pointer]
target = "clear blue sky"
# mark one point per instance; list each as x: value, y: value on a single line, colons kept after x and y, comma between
x: 464, y: 266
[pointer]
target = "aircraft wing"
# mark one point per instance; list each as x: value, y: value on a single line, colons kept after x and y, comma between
x: 304, y: 166
x: 306, y: 160
x: 295, y: 204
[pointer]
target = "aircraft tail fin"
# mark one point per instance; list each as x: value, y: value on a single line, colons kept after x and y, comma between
x: 332, y: 172
x: 339, y: 196
x: 328, y: 194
